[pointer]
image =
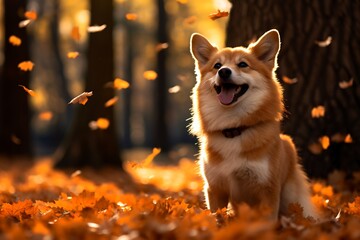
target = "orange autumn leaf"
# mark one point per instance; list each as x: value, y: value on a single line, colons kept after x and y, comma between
x: 111, y: 101
x: 31, y: 15
x: 29, y: 91
x: 348, y: 139
x: 82, y: 98
x: 26, y: 66
x: 75, y: 33
x: 45, y: 116
x: 14, y: 40
x: 148, y: 160
x: 72, y: 55
x: 346, y: 84
x: 289, y: 80
x: 131, y: 16
x: 19, y: 210
x: 219, y: 14
x: 120, y: 84
x: 150, y: 75
x: 325, y: 142
x: 318, y: 112
x: 100, y: 123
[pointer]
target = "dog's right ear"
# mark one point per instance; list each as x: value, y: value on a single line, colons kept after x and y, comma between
x: 201, y: 49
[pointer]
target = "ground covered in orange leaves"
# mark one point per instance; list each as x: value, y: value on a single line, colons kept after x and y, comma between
x: 153, y: 202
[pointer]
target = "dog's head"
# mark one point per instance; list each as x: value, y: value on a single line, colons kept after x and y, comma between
x: 236, y: 86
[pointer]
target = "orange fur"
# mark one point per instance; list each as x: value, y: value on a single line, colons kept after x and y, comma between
x: 260, y: 165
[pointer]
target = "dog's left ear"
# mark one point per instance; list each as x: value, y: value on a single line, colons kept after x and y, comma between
x: 267, y: 47
x: 201, y: 49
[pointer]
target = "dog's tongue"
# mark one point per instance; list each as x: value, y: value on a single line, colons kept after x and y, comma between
x: 226, y: 95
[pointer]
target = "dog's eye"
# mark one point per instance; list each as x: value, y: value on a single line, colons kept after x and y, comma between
x: 242, y: 65
x: 217, y: 65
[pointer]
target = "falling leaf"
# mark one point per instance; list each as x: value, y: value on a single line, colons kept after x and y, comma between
x: 315, y: 148
x: 318, y: 112
x: 24, y: 23
x: 75, y: 33
x: 219, y: 14
x: 45, y: 116
x: 26, y: 66
x: 14, y: 40
x: 15, y: 139
x: 31, y: 15
x: 29, y: 91
x: 150, y: 75
x: 100, y: 123
x: 120, y: 84
x: 289, y: 80
x: 72, y: 55
x: 346, y: 84
x: 131, y: 16
x: 82, y: 98
x: 325, y: 42
x: 151, y: 157
x: 111, y: 101
x: 174, y: 89
x: 161, y: 46
x: 325, y: 142
x: 348, y: 139
x: 96, y: 28
x: 190, y: 20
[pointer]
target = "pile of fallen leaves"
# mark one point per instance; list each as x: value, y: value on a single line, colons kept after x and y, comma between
x: 149, y: 201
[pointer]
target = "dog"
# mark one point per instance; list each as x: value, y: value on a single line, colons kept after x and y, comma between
x: 237, y: 106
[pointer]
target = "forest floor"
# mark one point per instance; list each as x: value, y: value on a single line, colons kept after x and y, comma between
x: 152, y: 201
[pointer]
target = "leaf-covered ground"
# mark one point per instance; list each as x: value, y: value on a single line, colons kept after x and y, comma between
x: 153, y: 202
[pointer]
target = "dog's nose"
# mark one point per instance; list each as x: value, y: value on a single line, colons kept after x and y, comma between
x: 224, y: 73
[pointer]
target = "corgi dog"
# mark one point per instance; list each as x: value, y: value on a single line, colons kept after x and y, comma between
x: 236, y: 113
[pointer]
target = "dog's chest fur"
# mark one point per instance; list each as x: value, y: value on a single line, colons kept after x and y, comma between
x: 230, y: 164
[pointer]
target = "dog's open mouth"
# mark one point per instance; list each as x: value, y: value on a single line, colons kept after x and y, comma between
x: 229, y: 93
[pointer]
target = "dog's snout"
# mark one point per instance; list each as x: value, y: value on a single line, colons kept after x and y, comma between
x: 224, y: 73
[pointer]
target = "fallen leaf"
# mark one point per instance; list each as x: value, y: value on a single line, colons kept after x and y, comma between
x: 131, y: 16
x: 325, y: 42
x: 174, y: 89
x: 14, y: 40
x: 346, y: 84
x: 45, y: 116
x: 24, y: 23
x: 318, y: 112
x: 82, y: 98
x: 72, y: 55
x: 75, y: 33
x: 111, y: 101
x: 26, y: 66
x: 96, y: 28
x: 29, y: 91
x: 150, y: 75
x: 219, y: 14
x: 31, y: 15
x: 325, y: 142
x: 289, y: 80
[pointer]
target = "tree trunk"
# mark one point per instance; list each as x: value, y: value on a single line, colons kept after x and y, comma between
x: 14, y: 109
x: 161, y: 126
x: 319, y: 68
x: 83, y: 146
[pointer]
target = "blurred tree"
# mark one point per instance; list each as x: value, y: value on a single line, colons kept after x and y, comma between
x: 320, y: 48
x: 14, y: 110
x: 161, y: 126
x: 83, y: 146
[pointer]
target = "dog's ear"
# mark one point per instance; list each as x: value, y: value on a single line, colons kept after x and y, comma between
x: 267, y: 47
x: 201, y: 49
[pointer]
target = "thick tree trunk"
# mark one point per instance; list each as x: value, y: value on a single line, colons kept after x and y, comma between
x: 14, y: 109
x: 319, y: 68
x: 83, y: 146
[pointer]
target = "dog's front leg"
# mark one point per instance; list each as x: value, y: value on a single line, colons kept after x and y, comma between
x: 215, y: 199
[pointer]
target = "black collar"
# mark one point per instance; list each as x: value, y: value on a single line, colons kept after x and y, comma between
x: 233, y: 132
